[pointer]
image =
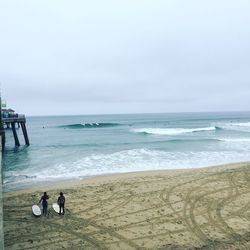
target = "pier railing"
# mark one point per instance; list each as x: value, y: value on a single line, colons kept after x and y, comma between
x: 14, y: 118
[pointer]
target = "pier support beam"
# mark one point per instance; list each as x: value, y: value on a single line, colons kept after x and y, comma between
x: 17, y: 143
x: 2, y: 134
x: 25, y: 134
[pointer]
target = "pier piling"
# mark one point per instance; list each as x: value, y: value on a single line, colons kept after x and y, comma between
x: 13, y: 126
x: 25, y: 134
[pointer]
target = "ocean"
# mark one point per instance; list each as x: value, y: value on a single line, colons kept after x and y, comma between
x: 77, y: 147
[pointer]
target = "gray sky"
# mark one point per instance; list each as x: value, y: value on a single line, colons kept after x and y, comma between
x: 128, y: 56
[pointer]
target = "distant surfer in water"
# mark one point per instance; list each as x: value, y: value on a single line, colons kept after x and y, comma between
x: 44, y: 200
x: 61, y: 203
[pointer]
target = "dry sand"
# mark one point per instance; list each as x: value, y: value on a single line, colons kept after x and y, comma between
x: 188, y: 209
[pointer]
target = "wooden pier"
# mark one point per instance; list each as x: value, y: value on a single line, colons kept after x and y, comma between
x: 13, y: 123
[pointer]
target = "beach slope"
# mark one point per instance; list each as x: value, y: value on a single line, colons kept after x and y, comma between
x: 205, y: 208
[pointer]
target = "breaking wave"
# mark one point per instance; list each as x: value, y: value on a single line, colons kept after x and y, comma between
x: 235, y: 139
x: 89, y: 125
x: 172, y: 131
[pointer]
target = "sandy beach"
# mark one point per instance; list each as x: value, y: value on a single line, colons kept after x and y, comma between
x: 205, y: 208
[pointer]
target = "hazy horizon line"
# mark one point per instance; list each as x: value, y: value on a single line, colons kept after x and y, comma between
x: 145, y: 113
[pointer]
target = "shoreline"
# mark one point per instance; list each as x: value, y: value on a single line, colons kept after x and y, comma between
x: 52, y: 184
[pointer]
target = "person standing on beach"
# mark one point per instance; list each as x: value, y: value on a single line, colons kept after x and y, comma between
x: 61, y: 203
x: 44, y: 200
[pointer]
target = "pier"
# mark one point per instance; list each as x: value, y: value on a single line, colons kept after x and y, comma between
x: 15, y: 122
x: 9, y: 119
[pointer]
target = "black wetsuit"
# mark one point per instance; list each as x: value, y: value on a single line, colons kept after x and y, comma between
x: 61, y: 202
x: 44, y: 200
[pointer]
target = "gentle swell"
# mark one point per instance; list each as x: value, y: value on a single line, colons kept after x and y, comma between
x: 89, y: 125
x: 172, y: 131
x: 241, y: 126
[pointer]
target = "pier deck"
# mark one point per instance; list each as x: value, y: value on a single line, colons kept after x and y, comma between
x: 16, y: 119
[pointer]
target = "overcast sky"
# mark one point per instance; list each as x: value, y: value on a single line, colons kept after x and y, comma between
x: 97, y: 57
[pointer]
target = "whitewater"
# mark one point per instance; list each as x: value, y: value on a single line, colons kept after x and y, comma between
x: 77, y: 147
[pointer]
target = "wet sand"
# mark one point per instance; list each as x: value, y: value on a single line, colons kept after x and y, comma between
x: 205, y: 208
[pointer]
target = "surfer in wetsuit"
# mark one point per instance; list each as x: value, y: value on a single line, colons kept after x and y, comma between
x: 44, y: 200
x: 61, y: 202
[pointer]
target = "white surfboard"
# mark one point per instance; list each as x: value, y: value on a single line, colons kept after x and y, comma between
x: 36, y: 210
x: 56, y: 207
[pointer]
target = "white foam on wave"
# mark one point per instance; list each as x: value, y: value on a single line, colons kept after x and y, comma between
x: 123, y: 161
x: 235, y: 139
x: 172, y: 131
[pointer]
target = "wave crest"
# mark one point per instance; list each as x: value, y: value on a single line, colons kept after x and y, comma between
x: 235, y: 139
x: 89, y: 125
x: 172, y: 131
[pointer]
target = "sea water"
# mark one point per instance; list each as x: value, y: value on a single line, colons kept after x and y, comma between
x: 75, y: 147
